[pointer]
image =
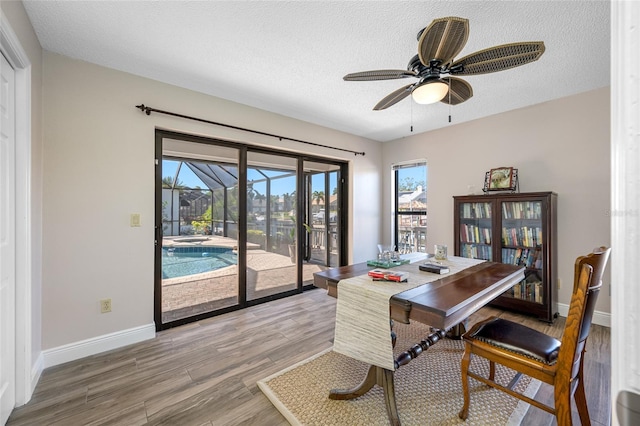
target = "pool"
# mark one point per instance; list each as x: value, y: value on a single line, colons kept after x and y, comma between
x: 183, y: 261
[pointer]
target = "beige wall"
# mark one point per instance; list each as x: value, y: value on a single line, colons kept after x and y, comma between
x: 561, y: 146
x: 17, y: 17
x: 99, y: 168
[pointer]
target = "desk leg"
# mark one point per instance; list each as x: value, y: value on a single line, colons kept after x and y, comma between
x: 375, y: 376
x: 456, y: 332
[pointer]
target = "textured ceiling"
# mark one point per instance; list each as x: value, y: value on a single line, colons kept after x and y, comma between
x: 289, y: 57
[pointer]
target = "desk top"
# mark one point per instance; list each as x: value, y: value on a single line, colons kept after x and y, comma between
x: 442, y: 303
x: 446, y: 302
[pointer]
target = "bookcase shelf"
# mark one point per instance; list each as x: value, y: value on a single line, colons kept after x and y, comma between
x: 518, y: 229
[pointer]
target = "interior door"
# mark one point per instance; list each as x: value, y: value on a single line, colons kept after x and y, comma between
x: 7, y: 241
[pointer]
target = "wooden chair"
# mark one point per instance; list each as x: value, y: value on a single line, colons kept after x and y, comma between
x: 530, y: 352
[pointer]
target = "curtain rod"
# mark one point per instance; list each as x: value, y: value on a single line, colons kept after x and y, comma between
x: 148, y: 110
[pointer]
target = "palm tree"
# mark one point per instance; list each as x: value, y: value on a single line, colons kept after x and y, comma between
x: 317, y: 196
x: 167, y: 182
x: 260, y: 199
x: 288, y: 201
x: 275, y: 203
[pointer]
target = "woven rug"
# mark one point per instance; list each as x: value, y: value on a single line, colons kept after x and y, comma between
x: 428, y: 389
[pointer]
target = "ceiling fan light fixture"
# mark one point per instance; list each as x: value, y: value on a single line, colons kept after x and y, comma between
x: 430, y: 92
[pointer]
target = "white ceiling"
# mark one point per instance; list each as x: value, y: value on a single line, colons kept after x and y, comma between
x: 289, y: 57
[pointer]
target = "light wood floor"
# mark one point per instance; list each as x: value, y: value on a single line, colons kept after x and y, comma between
x: 205, y: 373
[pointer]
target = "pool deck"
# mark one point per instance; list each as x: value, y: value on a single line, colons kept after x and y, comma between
x: 204, y: 241
x: 267, y: 273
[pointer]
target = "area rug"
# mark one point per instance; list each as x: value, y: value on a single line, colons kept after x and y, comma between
x: 428, y: 389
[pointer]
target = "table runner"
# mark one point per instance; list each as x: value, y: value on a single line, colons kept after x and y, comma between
x: 362, y: 311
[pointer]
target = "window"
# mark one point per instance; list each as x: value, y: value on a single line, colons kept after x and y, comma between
x: 410, y: 196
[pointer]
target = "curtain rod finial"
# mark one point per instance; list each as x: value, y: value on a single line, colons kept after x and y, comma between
x: 146, y: 109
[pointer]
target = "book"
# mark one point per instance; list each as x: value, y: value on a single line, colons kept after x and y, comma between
x: 434, y: 268
x: 384, y: 275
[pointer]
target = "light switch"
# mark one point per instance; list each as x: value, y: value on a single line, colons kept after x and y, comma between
x: 135, y: 219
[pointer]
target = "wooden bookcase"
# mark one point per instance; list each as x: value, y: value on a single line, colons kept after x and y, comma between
x: 513, y: 228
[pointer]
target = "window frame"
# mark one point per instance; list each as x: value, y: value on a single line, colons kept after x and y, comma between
x: 399, y: 215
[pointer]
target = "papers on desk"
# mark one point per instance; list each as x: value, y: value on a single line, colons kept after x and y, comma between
x: 385, y: 275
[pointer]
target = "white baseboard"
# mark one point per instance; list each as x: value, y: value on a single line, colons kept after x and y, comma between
x: 96, y: 345
x: 36, y: 372
x: 600, y: 318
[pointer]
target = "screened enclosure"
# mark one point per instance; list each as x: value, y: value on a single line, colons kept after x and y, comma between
x: 238, y: 226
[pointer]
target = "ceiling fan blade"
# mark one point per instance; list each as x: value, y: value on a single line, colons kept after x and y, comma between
x: 394, y: 97
x: 443, y: 39
x: 378, y: 75
x: 459, y: 91
x: 499, y: 58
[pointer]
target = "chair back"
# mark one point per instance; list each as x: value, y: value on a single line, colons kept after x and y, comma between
x: 587, y: 283
x: 598, y: 261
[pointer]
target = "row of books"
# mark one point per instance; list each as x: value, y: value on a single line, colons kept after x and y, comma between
x: 476, y: 210
x: 474, y: 234
x: 531, y: 258
x: 475, y: 252
x: 522, y: 236
x: 522, y: 210
x: 510, y: 210
x: 530, y: 291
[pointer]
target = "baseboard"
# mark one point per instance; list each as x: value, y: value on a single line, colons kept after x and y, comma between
x: 96, y: 345
x: 600, y: 318
x: 36, y: 372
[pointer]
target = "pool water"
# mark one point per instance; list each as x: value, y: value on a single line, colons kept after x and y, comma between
x: 183, y: 261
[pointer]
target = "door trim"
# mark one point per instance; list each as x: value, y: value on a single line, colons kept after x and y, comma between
x: 243, y: 149
x: 28, y: 371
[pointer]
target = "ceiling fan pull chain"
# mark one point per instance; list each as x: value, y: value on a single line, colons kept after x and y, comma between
x: 449, y: 100
x: 411, y: 117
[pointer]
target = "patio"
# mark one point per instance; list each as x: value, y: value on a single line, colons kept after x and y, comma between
x: 267, y: 274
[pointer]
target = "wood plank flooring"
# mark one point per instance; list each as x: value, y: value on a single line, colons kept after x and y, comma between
x: 205, y: 373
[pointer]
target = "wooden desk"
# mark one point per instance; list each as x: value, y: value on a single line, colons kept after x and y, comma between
x: 329, y: 278
x: 443, y: 304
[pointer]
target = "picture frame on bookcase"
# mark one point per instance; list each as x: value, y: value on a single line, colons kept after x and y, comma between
x: 501, y: 179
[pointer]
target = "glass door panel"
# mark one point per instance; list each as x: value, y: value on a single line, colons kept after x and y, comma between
x: 475, y: 230
x: 234, y: 225
x: 522, y: 243
x: 324, y: 230
x: 199, y: 229
x: 271, y: 225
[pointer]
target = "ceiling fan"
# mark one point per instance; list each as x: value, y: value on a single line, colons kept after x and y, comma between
x: 434, y: 65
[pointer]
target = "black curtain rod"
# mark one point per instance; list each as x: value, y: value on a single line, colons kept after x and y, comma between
x: 148, y: 110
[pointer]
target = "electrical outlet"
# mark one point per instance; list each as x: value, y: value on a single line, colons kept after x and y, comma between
x: 559, y: 283
x: 105, y: 306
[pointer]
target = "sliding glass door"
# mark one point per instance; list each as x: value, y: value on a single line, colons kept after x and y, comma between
x: 239, y: 225
x: 271, y: 225
x: 199, y: 247
x: 323, y: 201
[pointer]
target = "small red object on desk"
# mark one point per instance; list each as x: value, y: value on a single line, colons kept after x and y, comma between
x: 384, y: 275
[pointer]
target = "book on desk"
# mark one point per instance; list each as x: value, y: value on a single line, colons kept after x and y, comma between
x: 385, y: 275
x: 434, y: 268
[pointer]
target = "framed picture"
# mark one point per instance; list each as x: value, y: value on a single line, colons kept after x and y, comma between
x: 501, y: 179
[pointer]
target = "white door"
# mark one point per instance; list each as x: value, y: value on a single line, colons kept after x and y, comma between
x: 7, y: 241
